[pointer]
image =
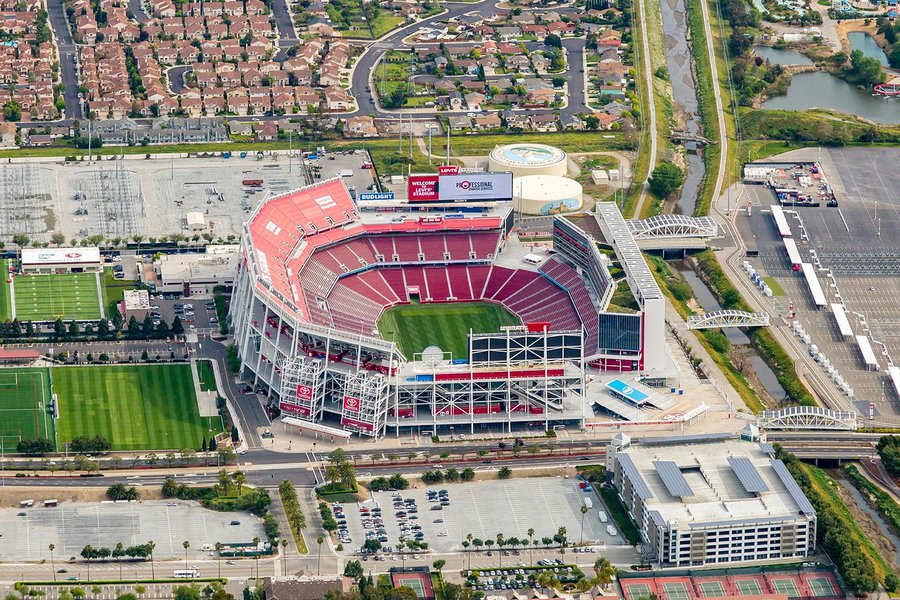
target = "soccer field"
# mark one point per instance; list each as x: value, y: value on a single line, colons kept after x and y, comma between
x: 414, y: 327
x: 48, y: 297
x: 25, y: 395
x: 140, y: 407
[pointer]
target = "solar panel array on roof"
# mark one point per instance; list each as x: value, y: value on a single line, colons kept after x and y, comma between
x: 672, y: 478
x: 628, y: 251
x: 793, y: 489
x: 637, y: 481
x: 747, y: 474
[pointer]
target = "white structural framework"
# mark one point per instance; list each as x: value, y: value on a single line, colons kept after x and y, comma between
x: 843, y: 323
x: 793, y: 254
x: 673, y: 226
x: 728, y: 318
x: 868, y: 355
x: 815, y: 289
x: 894, y: 374
x: 807, y: 418
x: 784, y: 230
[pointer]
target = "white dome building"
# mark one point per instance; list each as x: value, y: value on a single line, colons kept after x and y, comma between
x: 546, y: 194
x: 528, y: 159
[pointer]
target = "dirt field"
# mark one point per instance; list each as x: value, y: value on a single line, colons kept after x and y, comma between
x: 12, y: 495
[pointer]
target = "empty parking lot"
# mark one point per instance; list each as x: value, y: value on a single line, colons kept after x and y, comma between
x: 70, y: 527
x: 486, y: 508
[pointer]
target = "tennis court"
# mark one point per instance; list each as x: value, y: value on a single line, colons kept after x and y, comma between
x: 419, y: 582
x: 821, y: 587
x: 748, y: 587
x: 675, y: 590
x: 711, y: 589
x: 25, y: 394
x: 64, y: 296
x: 636, y: 591
x: 787, y: 587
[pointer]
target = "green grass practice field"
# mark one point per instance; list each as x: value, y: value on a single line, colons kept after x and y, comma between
x: 5, y: 297
x: 414, y: 327
x: 24, y: 397
x: 146, y: 407
x: 48, y: 297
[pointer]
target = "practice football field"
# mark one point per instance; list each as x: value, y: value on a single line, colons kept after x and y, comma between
x: 24, y: 398
x: 146, y: 407
x: 414, y: 327
x: 65, y: 296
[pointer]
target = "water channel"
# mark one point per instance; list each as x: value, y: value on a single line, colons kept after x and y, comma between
x: 823, y: 90
x: 708, y: 302
x: 864, y: 506
x: 860, y: 40
x: 684, y: 93
x: 777, y: 56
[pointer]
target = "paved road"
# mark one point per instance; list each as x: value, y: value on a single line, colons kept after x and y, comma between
x: 67, y: 57
x: 136, y: 8
x: 648, y: 83
x: 287, y: 35
x: 176, y: 77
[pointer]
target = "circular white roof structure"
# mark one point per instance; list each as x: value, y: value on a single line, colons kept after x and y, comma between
x: 528, y: 159
x: 546, y: 194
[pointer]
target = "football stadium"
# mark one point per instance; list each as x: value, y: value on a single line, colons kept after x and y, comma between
x: 357, y: 319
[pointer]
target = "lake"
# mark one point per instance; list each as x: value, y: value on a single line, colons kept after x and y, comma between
x: 823, y: 90
x: 781, y: 57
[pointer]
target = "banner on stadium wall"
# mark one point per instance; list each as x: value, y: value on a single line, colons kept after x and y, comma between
x: 423, y: 188
x: 460, y: 187
x: 294, y: 409
x: 356, y: 423
x: 448, y: 170
x: 304, y: 392
x: 472, y: 187
x: 351, y: 403
x: 538, y: 326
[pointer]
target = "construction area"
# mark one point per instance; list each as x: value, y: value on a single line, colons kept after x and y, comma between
x: 125, y: 196
x: 840, y: 282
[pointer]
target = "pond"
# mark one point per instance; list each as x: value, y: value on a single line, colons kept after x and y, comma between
x: 860, y: 40
x: 823, y: 90
x: 777, y: 56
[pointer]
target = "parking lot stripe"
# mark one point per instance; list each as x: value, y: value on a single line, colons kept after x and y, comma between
x: 547, y: 506
x: 477, y: 514
x: 512, y: 509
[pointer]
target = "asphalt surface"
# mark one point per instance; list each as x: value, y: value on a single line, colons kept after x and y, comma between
x: 67, y: 57
x: 176, y: 77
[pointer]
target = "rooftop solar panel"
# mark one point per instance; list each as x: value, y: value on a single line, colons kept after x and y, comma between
x: 747, y: 474
x: 637, y: 481
x: 793, y: 489
x: 672, y: 478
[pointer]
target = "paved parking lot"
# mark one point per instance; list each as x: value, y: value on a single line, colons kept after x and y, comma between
x: 104, y: 524
x: 486, y: 508
x: 859, y: 243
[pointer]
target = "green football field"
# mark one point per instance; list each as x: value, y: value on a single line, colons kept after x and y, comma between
x: 135, y: 407
x: 24, y: 398
x: 48, y: 297
x: 414, y: 327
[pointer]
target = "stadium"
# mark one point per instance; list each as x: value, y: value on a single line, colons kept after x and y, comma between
x: 490, y: 333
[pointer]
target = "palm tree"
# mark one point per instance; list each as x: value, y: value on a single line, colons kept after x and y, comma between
x: 224, y: 481
x: 604, y: 570
x: 284, y: 545
x: 256, y: 557
x: 319, y: 541
x: 119, y: 548
x: 151, y: 545
x: 185, y: 544
x: 584, y: 510
x: 52, y: 547
x: 438, y: 565
x: 219, y: 557
x: 87, y: 552
x: 531, y: 552
x: 500, y: 542
x: 465, y: 545
x: 239, y: 479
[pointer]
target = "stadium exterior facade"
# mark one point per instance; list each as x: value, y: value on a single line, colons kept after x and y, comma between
x: 315, y: 275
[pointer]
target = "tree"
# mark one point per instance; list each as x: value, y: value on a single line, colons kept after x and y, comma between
x: 87, y: 553
x: 353, y: 569
x: 865, y: 69
x: 187, y: 592
x: 151, y: 545
x: 553, y: 40
x: 52, y: 547
x: 239, y: 480
x: 224, y: 482
x: 584, y: 511
x: 604, y: 570
x: 665, y: 180
x: 504, y: 472
x: 177, y: 326
x: 500, y: 543
x: 468, y: 474
x: 185, y: 544
x: 320, y: 540
x: 12, y: 111
x: 401, y: 593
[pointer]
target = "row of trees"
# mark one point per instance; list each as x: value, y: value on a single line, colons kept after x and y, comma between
x: 110, y: 328
x: 119, y: 491
x: 889, y: 450
x: 394, y: 482
x: 339, y: 470
x: 451, y: 475
x: 292, y: 510
x: 475, y: 544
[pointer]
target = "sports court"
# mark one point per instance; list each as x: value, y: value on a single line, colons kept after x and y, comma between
x: 65, y: 296
x: 26, y: 396
x: 414, y: 327
x: 418, y: 581
x: 747, y: 581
